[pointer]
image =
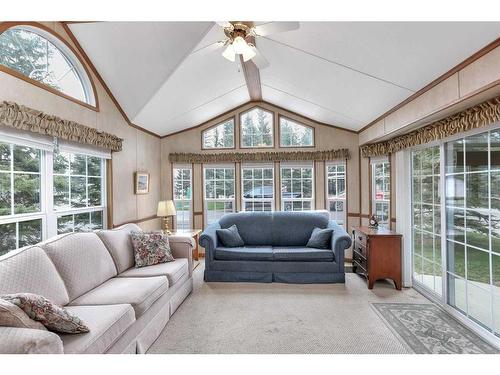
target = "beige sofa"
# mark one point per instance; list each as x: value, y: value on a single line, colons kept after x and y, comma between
x: 93, y: 276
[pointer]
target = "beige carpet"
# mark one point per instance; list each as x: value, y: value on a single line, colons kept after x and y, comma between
x: 283, y: 318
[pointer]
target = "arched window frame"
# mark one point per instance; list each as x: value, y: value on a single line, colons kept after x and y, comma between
x: 68, y: 51
x: 240, y: 123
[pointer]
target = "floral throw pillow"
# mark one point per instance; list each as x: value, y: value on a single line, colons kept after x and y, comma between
x: 13, y: 316
x: 53, y: 317
x: 151, y: 248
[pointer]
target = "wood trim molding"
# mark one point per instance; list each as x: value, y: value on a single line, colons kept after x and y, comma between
x: 7, y: 25
x: 102, y: 82
x: 137, y: 221
x: 483, y: 51
x: 109, y: 192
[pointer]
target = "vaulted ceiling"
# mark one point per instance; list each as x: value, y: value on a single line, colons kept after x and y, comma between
x: 167, y: 76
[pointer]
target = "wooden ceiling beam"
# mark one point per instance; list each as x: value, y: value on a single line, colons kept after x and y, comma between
x: 251, y: 73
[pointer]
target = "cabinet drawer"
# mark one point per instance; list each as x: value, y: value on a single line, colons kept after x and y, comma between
x: 359, y: 260
x: 359, y: 248
x: 360, y: 237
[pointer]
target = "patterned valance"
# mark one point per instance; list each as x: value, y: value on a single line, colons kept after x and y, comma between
x: 24, y: 118
x: 228, y: 157
x: 475, y: 117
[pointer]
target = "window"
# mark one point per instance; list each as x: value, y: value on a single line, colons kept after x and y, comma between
x: 182, y: 187
x: 426, y: 214
x: 20, y: 196
x: 219, y: 136
x: 336, y: 191
x: 297, y: 187
x: 40, y: 56
x: 293, y: 134
x: 43, y: 193
x: 472, y: 206
x: 258, y: 188
x: 219, y: 192
x: 381, y: 191
x: 257, y: 128
x: 78, y: 192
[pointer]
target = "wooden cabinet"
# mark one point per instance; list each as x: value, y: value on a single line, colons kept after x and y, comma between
x: 377, y: 254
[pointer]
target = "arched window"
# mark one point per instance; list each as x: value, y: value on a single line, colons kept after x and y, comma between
x: 293, y: 134
x: 256, y: 127
x: 219, y: 136
x: 40, y: 56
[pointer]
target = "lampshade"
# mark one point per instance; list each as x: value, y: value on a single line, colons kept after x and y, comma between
x: 229, y: 53
x: 239, y: 45
x: 248, y: 54
x: 166, y: 208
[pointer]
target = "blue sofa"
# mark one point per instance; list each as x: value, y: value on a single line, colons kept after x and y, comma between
x: 275, y: 249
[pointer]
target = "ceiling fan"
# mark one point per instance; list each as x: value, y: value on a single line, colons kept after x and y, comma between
x: 241, y: 39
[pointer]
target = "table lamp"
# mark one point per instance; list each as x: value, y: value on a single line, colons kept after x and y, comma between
x: 165, y: 210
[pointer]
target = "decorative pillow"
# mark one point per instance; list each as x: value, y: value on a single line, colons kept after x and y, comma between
x: 13, y: 316
x: 230, y: 237
x: 151, y: 248
x: 53, y: 317
x: 320, y: 238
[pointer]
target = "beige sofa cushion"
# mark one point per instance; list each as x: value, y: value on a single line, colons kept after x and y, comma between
x: 28, y: 341
x: 173, y: 270
x: 107, y: 324
x: 29, y: 270
x: 82, y: 261
x: 119, y: 245
x: 140, y: 292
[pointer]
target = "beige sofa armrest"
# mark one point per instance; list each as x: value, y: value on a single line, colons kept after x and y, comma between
x: 29, y: 341
x: 182, y: 247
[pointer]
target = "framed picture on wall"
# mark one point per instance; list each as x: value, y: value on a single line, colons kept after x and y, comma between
x: 141, y: 183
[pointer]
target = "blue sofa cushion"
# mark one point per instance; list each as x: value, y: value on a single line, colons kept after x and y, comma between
x: 244, y: 253
x: 230, y: 237
x: 255, y: 228
x: 302, y: 254
x: 294, y: 228
x: 320, y: 238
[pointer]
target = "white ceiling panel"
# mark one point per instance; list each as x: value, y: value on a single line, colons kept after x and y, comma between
x: 328, y: 85
x: 135, y: 58
x: 203, y: 77
x: 409, y: 54
x: 207, y: 111
x: 170, y: 76
x: 308, y: 109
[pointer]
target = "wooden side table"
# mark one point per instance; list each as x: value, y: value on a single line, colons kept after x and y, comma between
x: 194, y: 234
x: 377, y: 254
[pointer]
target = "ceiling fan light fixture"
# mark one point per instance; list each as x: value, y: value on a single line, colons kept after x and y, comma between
x: 240, y: 46
x: 248, y: 54
x: 229, y: 53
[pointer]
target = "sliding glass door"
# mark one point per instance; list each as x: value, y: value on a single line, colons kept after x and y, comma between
x: 465, y: 224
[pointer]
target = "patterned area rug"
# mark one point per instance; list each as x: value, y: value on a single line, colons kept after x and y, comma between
x: 427, y: 329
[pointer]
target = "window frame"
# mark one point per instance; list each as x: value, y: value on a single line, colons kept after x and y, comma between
x: 240, y: 124
x: 336, y: 199
x: 68, y: 51
x: 224, y: 200
x: 47, y: 214
x: 373, y: 208
x: 190, y: 200
x: 280, y: 117
x: 313, y: 186
x: 254, y: 166
x: 233, y: 118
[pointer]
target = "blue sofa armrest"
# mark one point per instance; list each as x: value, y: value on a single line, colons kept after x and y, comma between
x: 341, y: 241
x: 209, y: 241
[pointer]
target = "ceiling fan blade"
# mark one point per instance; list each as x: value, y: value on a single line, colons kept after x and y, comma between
x: 259, y: 60
x: 275, y: 27
x: 211, y: 47
x: 224, y: 24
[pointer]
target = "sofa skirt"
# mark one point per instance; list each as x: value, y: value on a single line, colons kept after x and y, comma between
x: 279, y: 277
